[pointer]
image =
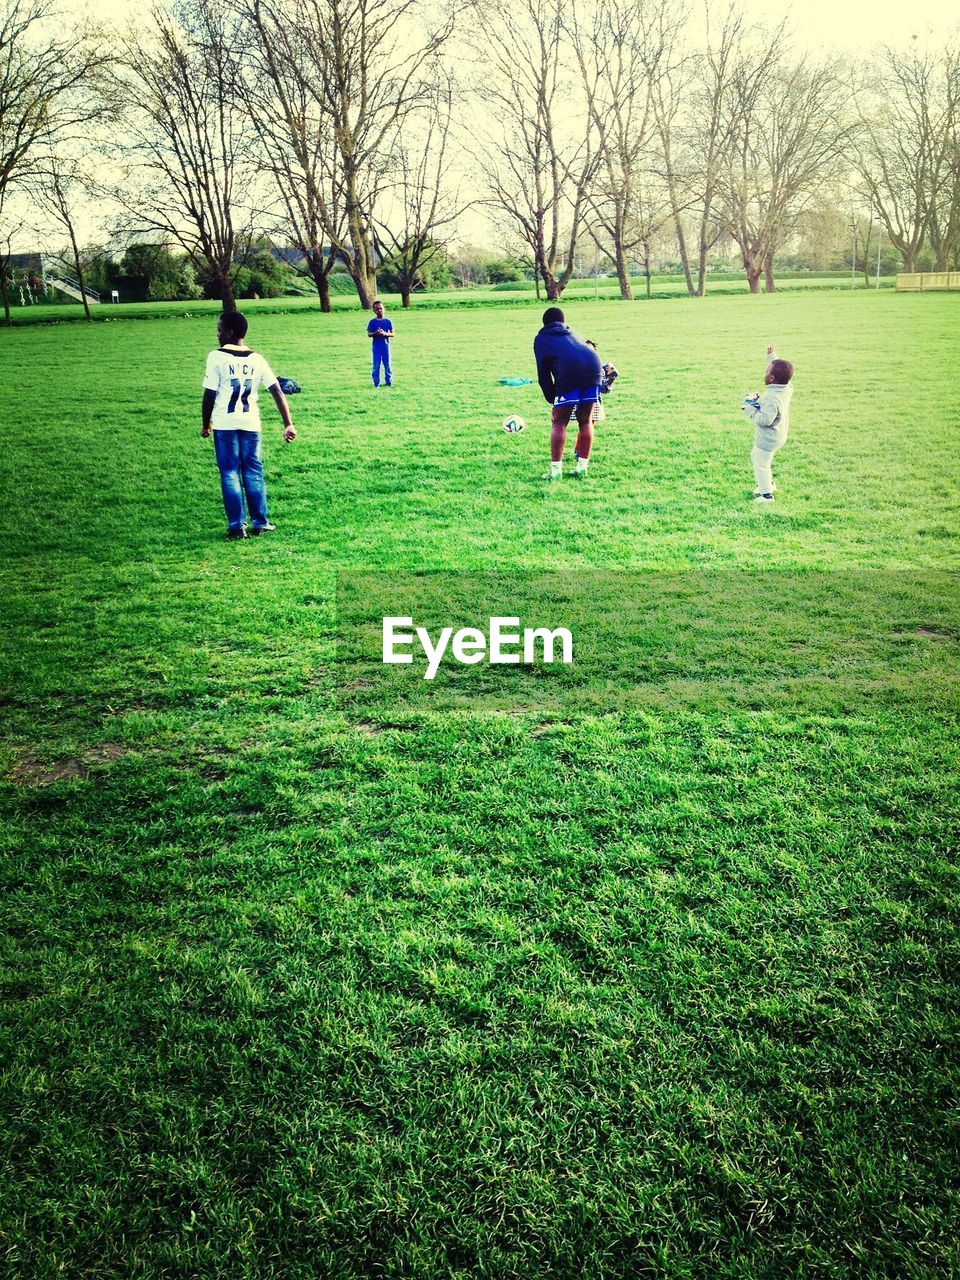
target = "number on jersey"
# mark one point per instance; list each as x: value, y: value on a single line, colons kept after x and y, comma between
x: 241, y: 393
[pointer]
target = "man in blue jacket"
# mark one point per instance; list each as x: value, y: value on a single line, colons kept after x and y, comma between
x: 569, y: 373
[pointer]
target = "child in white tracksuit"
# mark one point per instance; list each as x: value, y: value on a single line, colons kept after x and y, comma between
x: 770, y: 413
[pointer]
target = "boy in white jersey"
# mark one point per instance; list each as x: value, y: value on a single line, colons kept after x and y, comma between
x: 231, y: 384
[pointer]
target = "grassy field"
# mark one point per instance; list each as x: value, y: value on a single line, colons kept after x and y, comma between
x: 645, y: 970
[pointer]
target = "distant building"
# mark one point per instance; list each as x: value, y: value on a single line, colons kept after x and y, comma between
x: 291, y: 256
x: 26, y: 263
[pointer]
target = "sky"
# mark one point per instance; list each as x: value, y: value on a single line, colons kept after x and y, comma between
x: 851, y: 26
x: 846, y: 24
x: 859, y: 24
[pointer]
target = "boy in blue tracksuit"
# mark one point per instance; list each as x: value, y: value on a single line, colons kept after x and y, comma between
x: 380, y: 329
x: 569, y: 373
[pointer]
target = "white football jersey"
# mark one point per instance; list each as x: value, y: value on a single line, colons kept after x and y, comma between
x: 236, y: 375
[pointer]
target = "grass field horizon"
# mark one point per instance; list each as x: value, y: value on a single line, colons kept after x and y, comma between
x: 519, y: 292
x: 654, y: 974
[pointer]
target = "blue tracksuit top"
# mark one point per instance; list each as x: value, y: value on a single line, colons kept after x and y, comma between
x: 564, y: 363
x: 385, y: 324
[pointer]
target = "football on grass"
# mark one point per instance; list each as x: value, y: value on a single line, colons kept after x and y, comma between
x: 513, y: 424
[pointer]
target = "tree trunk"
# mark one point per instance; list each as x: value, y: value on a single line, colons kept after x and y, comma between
x: 753, y: 273
x: 675, y: 207
x: 365, y: 287
x: 321, y: 279
x: 702, y: 268
x: 551, y: 284
x: 868, y: 256
x: 768, y: 282
x: 685, y: 259
x: 82, y: 283
x: 7, y: 317
x: 623, y: 269
x: 76, y: 265
x: 361, y: 261
x: 227, y: 295
x: 405, y: 296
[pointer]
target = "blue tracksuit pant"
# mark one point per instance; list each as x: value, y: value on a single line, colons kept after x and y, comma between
x: 381, y: 358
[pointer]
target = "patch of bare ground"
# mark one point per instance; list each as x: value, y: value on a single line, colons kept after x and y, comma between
x: 373, y: 728
x: 31, y: 771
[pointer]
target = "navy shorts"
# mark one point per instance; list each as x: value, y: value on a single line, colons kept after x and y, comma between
x: 582, y: 395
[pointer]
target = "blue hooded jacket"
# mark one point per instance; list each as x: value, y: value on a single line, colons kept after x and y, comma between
x: 564, y: 363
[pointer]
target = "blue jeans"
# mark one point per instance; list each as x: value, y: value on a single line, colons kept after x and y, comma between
x: 381, y: 356
x: 241, y: 472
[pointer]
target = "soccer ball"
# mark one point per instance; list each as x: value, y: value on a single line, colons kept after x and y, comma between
x: 513, y: 424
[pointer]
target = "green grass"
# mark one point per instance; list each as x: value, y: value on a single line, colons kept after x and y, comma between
x: 308, y: 973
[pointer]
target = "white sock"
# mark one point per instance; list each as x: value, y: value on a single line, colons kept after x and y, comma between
x: 556, y: 468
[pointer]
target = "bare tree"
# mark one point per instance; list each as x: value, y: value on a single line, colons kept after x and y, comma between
x: 622, y: 51
x: 59, y: 192
x: 788, y: 136
x: 540, y: 159
x: 49, y: 82
x: 298, y: 144
x: 420, y: 203
x: 651, y: 215
x: 7, y: 237
x: 861, y: 231
x: 713, y: 114
x: 899, y: 150
x: 943, y: 227
x: 361, y: 66
x: 190, y: 145
x: 691, y: 108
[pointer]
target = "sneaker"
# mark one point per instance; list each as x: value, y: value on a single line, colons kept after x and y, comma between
x: 236, y: 532
x: 773, y: 489
x: 579, y: 474
x: 257, y: 529
x: 551, y: 475
x: 763, y: 498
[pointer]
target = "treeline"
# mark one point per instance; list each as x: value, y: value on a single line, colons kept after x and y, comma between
x: 361, y: 133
